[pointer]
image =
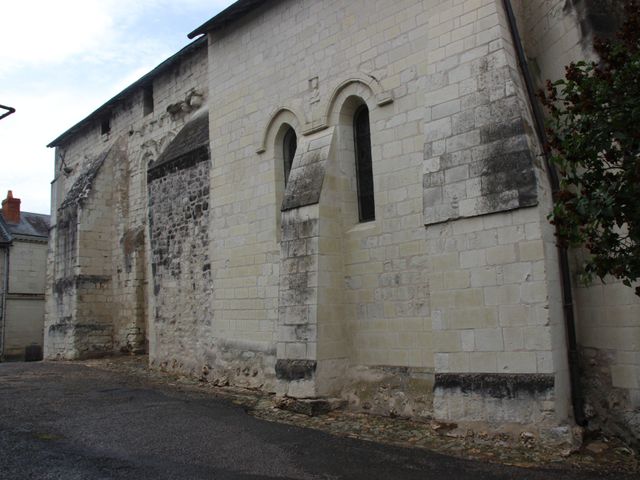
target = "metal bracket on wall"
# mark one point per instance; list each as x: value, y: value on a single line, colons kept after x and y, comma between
x: 9, y: 111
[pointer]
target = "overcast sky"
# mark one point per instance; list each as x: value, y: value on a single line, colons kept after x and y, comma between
x: 61, y: 59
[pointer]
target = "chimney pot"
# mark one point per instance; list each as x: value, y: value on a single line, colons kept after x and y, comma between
x: 11, y: 208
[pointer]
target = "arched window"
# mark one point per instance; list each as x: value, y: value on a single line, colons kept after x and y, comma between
x: 364, y: 170
x: 289, y: 145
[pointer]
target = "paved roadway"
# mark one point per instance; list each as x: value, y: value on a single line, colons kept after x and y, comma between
x: 67, y: 421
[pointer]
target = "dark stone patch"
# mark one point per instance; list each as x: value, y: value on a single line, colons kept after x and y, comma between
x: 304, y: 185
x: 307, y: 228
x: 503, y: 165
x: 509, y: 172
x: 66, y: 325
x: 131, y: 242
x: 598, y: 18
x: 305, y: 332
x: 435, y: 179
x: 188, y: 160
x: 296, y: 295
x: 82, y: 186
x: 508, y: 166
x: 496, y: 385
x: 65, y: 284
x: 178, y: 197
x: 499, y: 131
x: 291, y: 370
x: 92, y: 280
x: 455, y: 159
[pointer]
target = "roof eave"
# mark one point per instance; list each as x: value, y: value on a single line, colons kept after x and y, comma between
x: 4, y: 232
x: 229, y: 15
x: 141, y: 82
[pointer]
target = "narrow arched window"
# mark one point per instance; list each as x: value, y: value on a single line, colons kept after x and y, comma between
x: 289, y: 145
x: 364, y: 170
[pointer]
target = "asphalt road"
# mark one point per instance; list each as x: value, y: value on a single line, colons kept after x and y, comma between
x: 67, y: 421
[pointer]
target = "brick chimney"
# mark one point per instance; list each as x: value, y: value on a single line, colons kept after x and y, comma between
x: 11, y: 209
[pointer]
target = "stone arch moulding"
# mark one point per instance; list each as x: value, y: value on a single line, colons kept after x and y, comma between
x: 279, y: 116
x: 360, y: 84
x: 372, y: 92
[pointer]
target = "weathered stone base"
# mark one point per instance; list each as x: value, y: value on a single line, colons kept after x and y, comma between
x: 67, y: 341
x: 514, y: 404
x: 503, y: 398
x: 135, y: 341
x: 225, y: 363
x: 296, y: 378
x: 610, y: 409
x: 401, y: 391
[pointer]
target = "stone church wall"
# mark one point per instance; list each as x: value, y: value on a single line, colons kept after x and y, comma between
x: 97, y: 298
x: 462, y: 296
x: 446, y: 306
x: 556, y: 33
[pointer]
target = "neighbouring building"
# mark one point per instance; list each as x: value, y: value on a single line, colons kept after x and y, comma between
x: 345, y: 199
x: 23, y: 261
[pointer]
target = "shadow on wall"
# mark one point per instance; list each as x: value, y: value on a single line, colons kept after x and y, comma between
x: 598, y: 18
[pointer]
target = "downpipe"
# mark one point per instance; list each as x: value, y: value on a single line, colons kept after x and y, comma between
x: 577, y: 397
x: 5, y: 287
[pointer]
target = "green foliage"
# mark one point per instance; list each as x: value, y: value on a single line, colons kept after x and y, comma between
x: 594, y: 138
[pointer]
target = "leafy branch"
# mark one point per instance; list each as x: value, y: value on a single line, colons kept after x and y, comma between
x: 594, y: 140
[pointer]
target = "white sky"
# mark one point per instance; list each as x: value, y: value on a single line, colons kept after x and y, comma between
x: 62, y: 59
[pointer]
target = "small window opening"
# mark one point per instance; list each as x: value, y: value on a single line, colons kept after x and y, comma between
x: 289, y: 145
x: 105, y: 125
x: 364, y: 169
x: 147, y: 99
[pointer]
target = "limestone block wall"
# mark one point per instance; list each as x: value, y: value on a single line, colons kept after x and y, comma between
x: 60, y: 295
x: 609, y: 336
x: 451, y: 139
x: 93, y: 283
x: 446, y: 305
x: 3, y: 259
x: 557, y: 32
x: 81, y: 292
x: 116, y: 252
x: 496, y: 325
x: 24, y: 313
x: 329, y: 53
x: 608, y: 315
x: 27, y: 266
x: 552, y: 35
x: 493, y: 314
x: 23, y: 325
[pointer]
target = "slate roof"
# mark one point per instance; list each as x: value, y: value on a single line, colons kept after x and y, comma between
x: 31, y: 225
x: 189, y: 147
x: 193, y: 135
x: 5, y: 236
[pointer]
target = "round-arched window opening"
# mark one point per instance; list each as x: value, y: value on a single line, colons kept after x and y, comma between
x: 364, y: 170
x: 289, y: 145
